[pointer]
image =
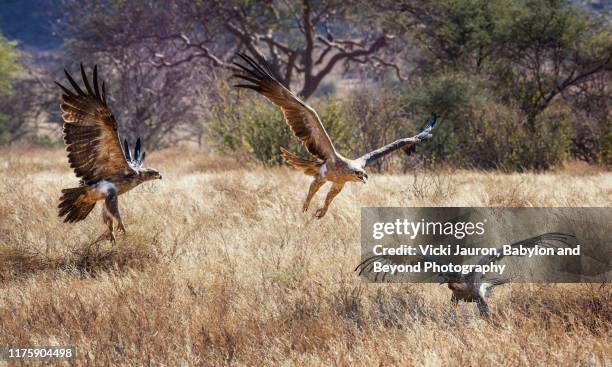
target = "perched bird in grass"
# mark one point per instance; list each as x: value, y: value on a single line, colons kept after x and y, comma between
x: 328, y: 164
x: 473, y: 287
x: 95, y: 153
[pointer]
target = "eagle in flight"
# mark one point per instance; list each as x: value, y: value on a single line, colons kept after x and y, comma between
x: 328, y: 165
x: 95, y: 153
x: 472, y: 287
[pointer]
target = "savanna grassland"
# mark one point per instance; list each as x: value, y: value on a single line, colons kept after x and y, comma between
x: 221, y: 267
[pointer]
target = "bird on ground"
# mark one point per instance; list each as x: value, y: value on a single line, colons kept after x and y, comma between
x: 328, y: 165
x: 96, y: 156
x: 473, y: 287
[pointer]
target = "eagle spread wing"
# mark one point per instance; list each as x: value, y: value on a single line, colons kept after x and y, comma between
x: 405, y: 143
x: 551, y: 239
x: 90, y: 132
x: 301, y: 118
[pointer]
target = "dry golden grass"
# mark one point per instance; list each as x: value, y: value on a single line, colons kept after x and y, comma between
x: 220, y: 266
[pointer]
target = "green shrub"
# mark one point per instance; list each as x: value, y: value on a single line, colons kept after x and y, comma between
x: 606, y: 143
x: 243, y: 122
x: 376, y: 117
x: 477, y: 131
x: 10, y: 70
x: 5, y: 135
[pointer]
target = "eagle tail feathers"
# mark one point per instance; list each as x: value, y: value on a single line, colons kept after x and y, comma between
x: 307, y: 166
x: 71, y: 204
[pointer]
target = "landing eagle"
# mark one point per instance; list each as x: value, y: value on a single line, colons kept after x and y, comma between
x: 328, y: 164
x: 473, y: 287
x: 94, y: 150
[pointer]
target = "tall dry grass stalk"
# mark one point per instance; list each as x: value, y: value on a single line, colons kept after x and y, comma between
x: 221, y: 267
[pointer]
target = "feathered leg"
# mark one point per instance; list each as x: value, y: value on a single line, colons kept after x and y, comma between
x: 483, y: 307
x: 335, y: 190
x: 108, y: 220
x: 454, y: 300
x: 112, y: 206
x: 314, y: 187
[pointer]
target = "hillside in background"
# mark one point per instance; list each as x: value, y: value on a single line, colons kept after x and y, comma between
x: 598, y: 6
x: 31, y: 22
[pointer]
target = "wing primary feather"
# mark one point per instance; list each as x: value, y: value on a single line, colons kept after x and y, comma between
x: 137, y: 151
x: 254, y: 65
x: 104, y: 92
x: 267, y: 69
x: 95, y: 81
x: 247, y: 70
x: 126, y: 150
x: 248, y: 78
x: 66, y: 90
x: 86, y: 81
x: 431, y: 122
x: 250, y: 61
x: 73, y: 83
x: 366, y: 263
x: 248, y: 86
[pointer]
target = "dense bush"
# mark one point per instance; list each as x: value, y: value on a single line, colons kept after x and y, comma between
x: 9, y: 71
x: 480, y: 132
x: 240, y: 121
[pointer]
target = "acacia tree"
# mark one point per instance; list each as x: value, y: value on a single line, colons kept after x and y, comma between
x: 32, y: 102
x: 158, y: 105
x: 548, y: 48
x: 9, y: 73
x: 450, y: 35
x: 302, y: 40
x: 533, y: 50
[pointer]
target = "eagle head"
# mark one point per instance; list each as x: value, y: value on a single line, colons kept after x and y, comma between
x: 148, y: 174
x: 360, y: 175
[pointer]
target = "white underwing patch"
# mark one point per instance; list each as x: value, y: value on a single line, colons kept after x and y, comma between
x: 482, y: 291
x: 106, y: 186
x: 323, y: 170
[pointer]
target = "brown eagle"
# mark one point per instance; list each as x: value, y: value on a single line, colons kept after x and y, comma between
x: 473, y: 287
x: 328, y: 165
x: 95, y: 153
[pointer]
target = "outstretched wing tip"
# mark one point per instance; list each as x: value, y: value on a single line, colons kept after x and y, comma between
x: 301, y: 118
x: 429, y: 126
x: 247, y: 86
x: 434, y: 120
x: 90, y: 130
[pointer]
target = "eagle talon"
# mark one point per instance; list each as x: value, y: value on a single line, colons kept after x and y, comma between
x: 320, y: 213
x: 111, y: 237
x: 121, y: 228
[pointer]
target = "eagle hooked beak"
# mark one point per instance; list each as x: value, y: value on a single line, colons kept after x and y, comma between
x: 363, y: 177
